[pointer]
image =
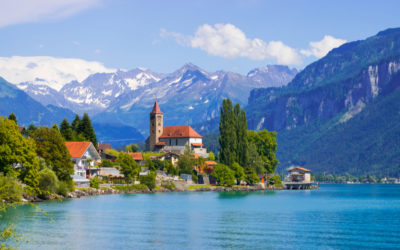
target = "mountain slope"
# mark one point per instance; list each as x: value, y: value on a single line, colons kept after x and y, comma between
x: 27, y: 109
x: 324, y: 101
x: 190, y: 95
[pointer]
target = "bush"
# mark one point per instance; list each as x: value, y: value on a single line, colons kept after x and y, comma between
x: 168, y: 185
x: 63, y: 188
x: 48, y: 181
x: 10, y: 190
x: 132, y: 187
x: 224, y: 175
x: 275, y: 180
x: 95, y: 182
x: 107, y: 164
x: 195, y: 178
x: 148, y: 180
x: 251, y: 176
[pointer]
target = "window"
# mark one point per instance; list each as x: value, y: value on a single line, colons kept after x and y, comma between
x: 176, y: 141
x: 170, y: 142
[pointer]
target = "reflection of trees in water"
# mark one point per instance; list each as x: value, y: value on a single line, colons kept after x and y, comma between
x: 241, y: 194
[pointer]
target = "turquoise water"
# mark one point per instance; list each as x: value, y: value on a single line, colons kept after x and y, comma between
x: 336, y: 216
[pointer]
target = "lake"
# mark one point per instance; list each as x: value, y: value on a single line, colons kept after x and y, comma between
x: 336, y: 216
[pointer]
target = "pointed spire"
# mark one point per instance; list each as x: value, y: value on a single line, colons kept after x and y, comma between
x: 156, y: 109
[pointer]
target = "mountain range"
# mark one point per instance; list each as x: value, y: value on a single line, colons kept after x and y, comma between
x: 188, y: 95
x: 341, y: 113
x: 119, y: 102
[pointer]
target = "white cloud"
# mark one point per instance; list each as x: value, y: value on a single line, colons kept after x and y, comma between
x: 228, y: 41
x: 55, y: 71
x: 321, y: 48
x: 24, y: 11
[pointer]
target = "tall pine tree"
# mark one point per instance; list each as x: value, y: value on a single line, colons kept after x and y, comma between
x: 13, y: 117
x: 242, y: 141
x: 227, y: 138
x: 66, y: 130
x: 86, y: 128
x: 75, y: 124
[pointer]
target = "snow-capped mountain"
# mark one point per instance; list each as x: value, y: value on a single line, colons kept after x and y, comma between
x: 188, y: 95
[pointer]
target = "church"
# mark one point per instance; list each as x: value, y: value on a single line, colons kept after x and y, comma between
x: 172, y: 138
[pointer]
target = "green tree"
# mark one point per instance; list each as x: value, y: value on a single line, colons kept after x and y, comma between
x: 13, y: 117
x: 251, y: 176
x: 211, y: 156
x: 66, y: 130
x: 128, y: 166
x: 266, y: 145
x: 95, y: 182
x: 227, y: 130
x: 17, y: 154
x: 186, y: 162
x: 132, y: 148
x: 85, y: 127
x: 241, y: 135
x: 50, y: 145
x: 48, y: 182
x: 75, y: 124
x: 255, y: 160
x: 149, y: 180
x: 223, y: 175
x: 29, y: 131
x: 238, y: 172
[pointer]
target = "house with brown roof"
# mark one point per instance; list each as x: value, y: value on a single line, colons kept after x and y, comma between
x: 299, y: 175
x: 137, y: 156
x: 172, y: 138
x: 84, y: 156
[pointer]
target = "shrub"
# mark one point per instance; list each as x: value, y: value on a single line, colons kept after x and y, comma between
x: 223, y: 175
x: 251, y: 176
x: 275, y: 180
x: 10, y: 190
x: 148, y: 180
x: 95, y: 182
x: 63, y: 188
x: 48, y: 181
x: 168, y: 185
x: 132, y: 187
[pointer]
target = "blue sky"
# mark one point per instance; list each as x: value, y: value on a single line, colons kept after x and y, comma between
x: 163, y: 35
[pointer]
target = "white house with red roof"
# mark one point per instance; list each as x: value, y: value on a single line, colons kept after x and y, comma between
x: 84, y: 156
x: 172, y: 138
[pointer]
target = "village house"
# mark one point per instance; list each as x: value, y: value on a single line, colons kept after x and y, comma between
x: 84, y: 156
x: 172, y: 138
x: 138, y: 157
x: 169, y: 156
x: 298, y: 178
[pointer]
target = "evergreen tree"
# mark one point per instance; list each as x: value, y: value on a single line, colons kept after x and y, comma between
x: 50, y: 145
x: 227, y: 129
x: 13, y: 117
x: 75, y: 124
x: 242, y: 156
x: 66, y: 130
x: 55, y: 127
x: 85, y: 127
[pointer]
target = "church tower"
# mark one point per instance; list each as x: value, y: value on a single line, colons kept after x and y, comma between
x: 156, y: 125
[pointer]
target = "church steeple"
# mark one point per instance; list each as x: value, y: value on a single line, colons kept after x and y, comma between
x: 156, y: 125
x: 156, y: 109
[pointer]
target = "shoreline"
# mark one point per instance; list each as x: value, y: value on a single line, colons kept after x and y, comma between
x: 89, y: 191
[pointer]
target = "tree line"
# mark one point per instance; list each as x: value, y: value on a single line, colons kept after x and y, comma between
x: 245, y: 155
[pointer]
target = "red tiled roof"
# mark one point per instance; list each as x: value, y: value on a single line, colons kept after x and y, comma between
x: 156, y: 109
x: 197, y: 144
x: 160, y: 143
x: 21, y: 128
x: 210, y: 163
x: 179, y: 132
x: 77, y: 148
x: 137, y: 156
x: 299, y: 168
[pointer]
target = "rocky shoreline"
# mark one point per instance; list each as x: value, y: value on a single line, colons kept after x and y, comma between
x: 85, y: 192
